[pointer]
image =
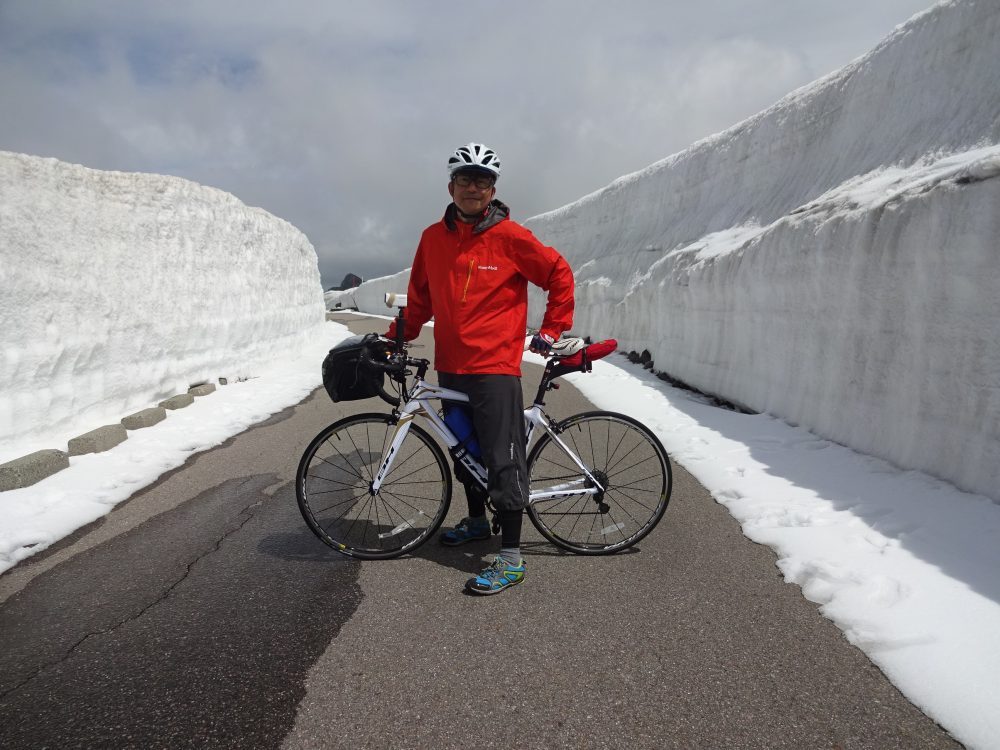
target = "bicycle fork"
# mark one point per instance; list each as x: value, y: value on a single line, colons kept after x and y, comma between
x: 402, y: 429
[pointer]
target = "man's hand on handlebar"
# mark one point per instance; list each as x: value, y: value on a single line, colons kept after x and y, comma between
x: 541, y: 343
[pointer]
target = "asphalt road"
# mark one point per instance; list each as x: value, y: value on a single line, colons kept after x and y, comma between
x: 202, y: 613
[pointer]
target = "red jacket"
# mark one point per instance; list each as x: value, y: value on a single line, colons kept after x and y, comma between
x: 474, y: 282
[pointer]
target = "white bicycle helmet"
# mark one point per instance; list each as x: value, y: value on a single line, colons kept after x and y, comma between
x: 475, y: 156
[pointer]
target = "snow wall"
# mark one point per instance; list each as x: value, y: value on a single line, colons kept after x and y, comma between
x: 119, y: 290
x: 833, y: 260
x: 370, y: 295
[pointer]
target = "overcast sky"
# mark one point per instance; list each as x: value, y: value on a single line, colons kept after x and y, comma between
x: 340, y: 116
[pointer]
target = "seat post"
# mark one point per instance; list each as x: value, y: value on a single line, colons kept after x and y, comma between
x: 400, y: 326
x: 544, y: 384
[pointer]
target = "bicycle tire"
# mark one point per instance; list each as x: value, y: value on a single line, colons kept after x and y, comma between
x: 333, y: 487
x: 626, y: 457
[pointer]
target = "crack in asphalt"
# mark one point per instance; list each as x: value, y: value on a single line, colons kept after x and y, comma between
x: 247, y: 515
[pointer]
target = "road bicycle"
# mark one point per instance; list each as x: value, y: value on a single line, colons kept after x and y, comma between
x: 377, y: 485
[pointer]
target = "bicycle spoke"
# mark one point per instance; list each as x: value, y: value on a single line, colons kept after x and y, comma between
x: 338, y: 519
x: 344, y: 488
x: 624, y: 510
x: 613, y: 453
x: 349, y: 435
x: 341, y: 468
x: 401, y: 498
x: 627, y: 492
x: 396, y: 466
x: 573, y: 470
x: 611, y: 473
x: 353, y: 499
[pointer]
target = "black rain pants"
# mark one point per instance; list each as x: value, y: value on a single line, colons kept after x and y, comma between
x: 497, y: 407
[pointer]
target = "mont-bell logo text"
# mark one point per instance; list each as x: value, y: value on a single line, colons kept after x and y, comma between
x: 488, y: 268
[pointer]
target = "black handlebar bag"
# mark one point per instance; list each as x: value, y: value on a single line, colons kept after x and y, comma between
x: 348, y: 374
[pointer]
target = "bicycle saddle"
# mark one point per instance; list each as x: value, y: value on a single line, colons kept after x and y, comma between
x: 566, y: 347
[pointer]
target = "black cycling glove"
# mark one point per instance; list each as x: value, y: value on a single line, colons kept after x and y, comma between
x: 541, y: 344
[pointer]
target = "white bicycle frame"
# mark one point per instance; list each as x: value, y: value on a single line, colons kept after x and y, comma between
x: 420, y: 405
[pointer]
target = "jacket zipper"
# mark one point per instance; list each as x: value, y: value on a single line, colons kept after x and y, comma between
x: 468, y: 278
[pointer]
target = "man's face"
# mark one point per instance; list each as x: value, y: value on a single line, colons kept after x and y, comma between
x: 468, y: 191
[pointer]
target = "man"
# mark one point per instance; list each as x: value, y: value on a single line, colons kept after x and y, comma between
x: 471, y: 274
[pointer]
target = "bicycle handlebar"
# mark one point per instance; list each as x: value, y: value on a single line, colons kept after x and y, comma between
x: 578, y: 360
x: 395, y: 367
x: 392, y: 368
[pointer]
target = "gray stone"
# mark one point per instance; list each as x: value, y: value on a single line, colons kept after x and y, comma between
x: 97, y: 441
x: 144, y: 418
x: 223, y: 381
x: 178, y: 402
x: 202, y: 390
x: 25, y: 471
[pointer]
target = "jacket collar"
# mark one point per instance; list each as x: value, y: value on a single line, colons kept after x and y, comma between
x: 496, y: 212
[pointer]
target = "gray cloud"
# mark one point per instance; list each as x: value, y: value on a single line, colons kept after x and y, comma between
x: 340, y: 118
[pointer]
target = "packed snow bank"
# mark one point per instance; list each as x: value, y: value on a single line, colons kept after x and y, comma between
x: 832, y: 260
x: 122, y: 289
x: 370, y: 295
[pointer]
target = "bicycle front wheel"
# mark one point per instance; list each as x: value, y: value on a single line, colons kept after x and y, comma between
x: 334, y: 488
x: 625, y: 458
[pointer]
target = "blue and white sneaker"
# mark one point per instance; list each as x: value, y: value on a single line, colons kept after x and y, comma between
x: 497, y: 576
x: 467, y: 530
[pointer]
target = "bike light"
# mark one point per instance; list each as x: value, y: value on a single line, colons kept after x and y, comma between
x: 395, y: 299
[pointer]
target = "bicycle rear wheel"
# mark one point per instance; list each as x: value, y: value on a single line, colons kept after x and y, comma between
x: 334, y: 488
x: 625, y: 457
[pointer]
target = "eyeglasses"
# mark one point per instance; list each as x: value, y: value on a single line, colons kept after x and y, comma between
x: 483, y: 183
